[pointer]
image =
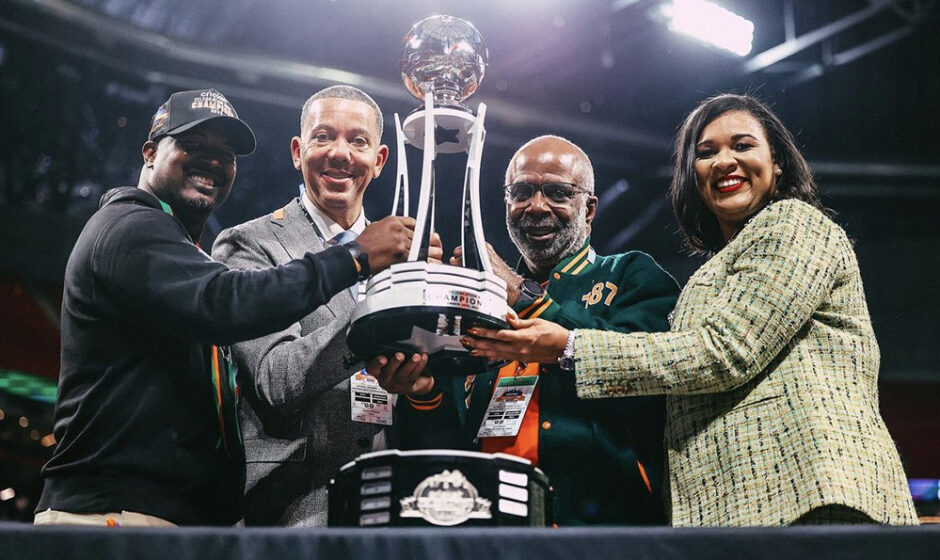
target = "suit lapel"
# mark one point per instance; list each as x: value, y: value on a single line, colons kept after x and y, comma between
x: 298, y: 235
x: 295, y: 231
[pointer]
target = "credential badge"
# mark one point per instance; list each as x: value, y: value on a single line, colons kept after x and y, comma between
x: 446, y: 499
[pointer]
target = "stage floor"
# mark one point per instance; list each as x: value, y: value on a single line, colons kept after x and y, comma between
x: 20, y: 541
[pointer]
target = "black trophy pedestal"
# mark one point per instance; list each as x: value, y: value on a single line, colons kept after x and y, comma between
x: 414, y: 329
x: 441, y: 487
x: 427, y: 307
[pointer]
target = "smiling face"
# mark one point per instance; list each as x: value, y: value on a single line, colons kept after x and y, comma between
x: 192, y: 172
x: 338, y: 153
x: 735, y: 170
x: 546, y: 231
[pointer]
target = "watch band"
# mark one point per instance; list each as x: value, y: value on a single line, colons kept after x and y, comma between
x: 566, y: 360
x: 361, y: 258
x: 529, y: 291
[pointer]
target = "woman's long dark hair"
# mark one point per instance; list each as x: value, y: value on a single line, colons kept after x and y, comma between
x: 698, y: 224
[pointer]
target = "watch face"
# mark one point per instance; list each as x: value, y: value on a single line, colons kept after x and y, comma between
x: 566, y: 363
x: 532, y: 288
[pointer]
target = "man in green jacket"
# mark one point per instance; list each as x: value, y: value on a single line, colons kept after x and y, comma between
x: 604, y: 458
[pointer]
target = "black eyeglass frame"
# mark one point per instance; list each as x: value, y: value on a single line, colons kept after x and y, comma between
x: 540, y: 188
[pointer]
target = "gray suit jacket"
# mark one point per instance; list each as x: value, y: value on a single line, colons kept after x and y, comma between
x: 295, y: 410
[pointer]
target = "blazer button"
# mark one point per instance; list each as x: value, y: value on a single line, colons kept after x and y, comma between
x: 546, y: 425
x: 364, y: 442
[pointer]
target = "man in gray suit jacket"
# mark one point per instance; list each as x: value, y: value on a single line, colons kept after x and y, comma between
x: 298, y: 423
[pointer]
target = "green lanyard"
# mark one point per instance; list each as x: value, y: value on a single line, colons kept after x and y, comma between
x: 223, y: 373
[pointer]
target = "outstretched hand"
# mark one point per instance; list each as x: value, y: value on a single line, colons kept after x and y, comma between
x: 529, y: 340
x: 387, y: 241
x: 401, y: 376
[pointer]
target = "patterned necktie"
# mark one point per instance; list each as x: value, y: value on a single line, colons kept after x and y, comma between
x: 342, y: 238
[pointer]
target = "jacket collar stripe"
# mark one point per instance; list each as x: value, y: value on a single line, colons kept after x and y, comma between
x: 581, y: 267
x: 575, y: 259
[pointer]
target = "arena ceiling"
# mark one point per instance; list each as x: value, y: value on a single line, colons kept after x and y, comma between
x: 608, y: 73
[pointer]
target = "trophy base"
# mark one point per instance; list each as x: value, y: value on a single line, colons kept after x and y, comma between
x: 427, y: 307
x: 414, y: 329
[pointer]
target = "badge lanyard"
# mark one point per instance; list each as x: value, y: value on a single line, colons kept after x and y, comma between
x: 223, y: 374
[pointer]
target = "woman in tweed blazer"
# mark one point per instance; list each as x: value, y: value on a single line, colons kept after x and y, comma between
x: 771, y: 365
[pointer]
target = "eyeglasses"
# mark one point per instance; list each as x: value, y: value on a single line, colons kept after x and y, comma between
x: 554, y: 193
x: 196, y: 148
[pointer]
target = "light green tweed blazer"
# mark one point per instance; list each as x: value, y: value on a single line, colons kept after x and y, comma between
x: 771, y: 373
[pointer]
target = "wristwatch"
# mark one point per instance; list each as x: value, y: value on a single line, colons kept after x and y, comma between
x: 529, y: 291
x: 361, y: 258
x: 566, y: 360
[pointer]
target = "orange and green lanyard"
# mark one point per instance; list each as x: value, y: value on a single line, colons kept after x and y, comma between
x: 223, y: 373
x: 524, y: 444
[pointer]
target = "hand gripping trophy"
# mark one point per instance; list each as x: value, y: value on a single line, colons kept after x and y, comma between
x: 417, y: 305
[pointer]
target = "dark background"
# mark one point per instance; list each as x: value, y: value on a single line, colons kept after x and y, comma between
x: 859, y: 87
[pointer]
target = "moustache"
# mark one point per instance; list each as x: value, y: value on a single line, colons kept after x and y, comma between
x: 527, y: 222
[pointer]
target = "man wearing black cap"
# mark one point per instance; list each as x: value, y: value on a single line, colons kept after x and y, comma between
x: 145, y: 419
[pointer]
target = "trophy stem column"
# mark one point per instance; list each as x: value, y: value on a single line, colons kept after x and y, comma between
x: 426, y: 197
x: 401, y: 205
x: 475, y: 254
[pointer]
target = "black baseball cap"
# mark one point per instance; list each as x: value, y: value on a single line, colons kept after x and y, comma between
x: 185, y: 110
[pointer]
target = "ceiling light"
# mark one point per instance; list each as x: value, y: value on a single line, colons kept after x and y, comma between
x: 712, y: 24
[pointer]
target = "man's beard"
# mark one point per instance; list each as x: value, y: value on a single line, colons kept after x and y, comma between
x: 569, y: 236
x: 199, y: 204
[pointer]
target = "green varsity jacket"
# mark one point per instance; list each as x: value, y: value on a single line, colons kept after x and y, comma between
x: 604, y: 458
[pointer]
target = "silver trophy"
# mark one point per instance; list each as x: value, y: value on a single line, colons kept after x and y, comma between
x: 417, y: 306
